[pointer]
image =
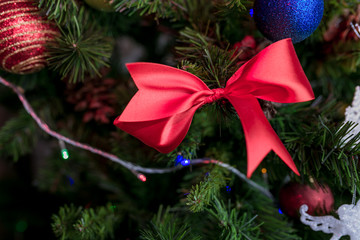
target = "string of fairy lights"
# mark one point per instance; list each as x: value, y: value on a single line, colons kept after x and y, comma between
x: 137, y: 170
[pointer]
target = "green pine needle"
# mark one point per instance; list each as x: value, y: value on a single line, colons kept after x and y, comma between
x: 211, y: 63
x: 234, y: 226
x: 77, y: 223
x: 203, y: 193
x: 317, y: 143
x: 79, y: 52
x: 161, y: 8
x: 62, y: 11
x: 17, y: 136
x: 234, y: 4
x: 165, y: 226
x: 275, y: 226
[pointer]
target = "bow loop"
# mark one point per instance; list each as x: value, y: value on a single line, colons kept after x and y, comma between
x: 163, y: 92
x: 275, y: 74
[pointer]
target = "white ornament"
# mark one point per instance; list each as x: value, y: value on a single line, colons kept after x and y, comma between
x: 352, y: 114
x: 349, y: 223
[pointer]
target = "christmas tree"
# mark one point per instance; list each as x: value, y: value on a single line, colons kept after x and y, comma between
x: 182, y: 119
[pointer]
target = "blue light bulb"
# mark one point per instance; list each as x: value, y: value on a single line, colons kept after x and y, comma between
x: 251, y: 11
x: 178, y: 160
x: 280, y: 211
x: 185, y: 162
x: 71, y: 181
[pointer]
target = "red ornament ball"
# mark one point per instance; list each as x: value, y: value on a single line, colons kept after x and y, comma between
x: 24, y: 34
x: 319, y: 199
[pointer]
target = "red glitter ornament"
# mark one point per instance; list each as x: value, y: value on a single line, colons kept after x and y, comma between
x: 319, y: 199
x: 24, y: 33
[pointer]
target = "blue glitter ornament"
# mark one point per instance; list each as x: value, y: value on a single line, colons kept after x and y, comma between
x: 295, y: 19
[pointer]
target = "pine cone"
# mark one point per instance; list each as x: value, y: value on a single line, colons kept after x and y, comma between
x: 93, y: 97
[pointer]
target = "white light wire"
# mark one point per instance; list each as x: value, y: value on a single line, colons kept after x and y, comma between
x: 135, y: 169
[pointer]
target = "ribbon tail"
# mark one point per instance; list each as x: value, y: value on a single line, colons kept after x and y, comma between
x: 260, y: 136
x: 162, y: 134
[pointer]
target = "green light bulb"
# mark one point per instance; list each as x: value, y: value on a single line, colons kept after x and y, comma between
x: 65, y: 154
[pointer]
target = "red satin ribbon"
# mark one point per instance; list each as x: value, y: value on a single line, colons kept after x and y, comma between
x: 160, y: 113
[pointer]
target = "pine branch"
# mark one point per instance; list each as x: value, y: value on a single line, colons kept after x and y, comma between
x: 275, y: 226
x: 203, y: 193
x: 79, y: 223
x: 187, y: 149
x: 62, y: 11
x: 348, y: 55
x: 233, y: 226
x: 201, y: 56
x: 130, y: 166
x: 165, y: 225
x: 62, y: 223
x: 17, y: 136
x: 318, y: 144
x: 79, y: 51
x: 230, y: 4
x: 161, y: 8
x: 341, y: 156
x: 335, y: 7
x: 209, y: 62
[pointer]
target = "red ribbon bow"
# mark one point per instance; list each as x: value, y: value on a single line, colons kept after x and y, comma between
x: 160, y: 113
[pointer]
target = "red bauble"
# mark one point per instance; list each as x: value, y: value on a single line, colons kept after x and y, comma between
x: 24, y: 34
x: 319, y: 199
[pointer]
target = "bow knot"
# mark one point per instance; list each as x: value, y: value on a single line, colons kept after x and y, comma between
x: 218, y: 93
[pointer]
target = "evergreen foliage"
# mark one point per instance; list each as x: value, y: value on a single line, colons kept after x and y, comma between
x: 200, y: 35
x: 234, y: 227
x: 161, y: 8
x: 199, y: 46
x: 80, y: 50
x: 62, y: 11
x: 79, y: 223
x: 17, y: 136
x: 165, y: 226
x: 321, y: 146
x: 274, y: 226
x: 234, y: 4
x: 203, y: 193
